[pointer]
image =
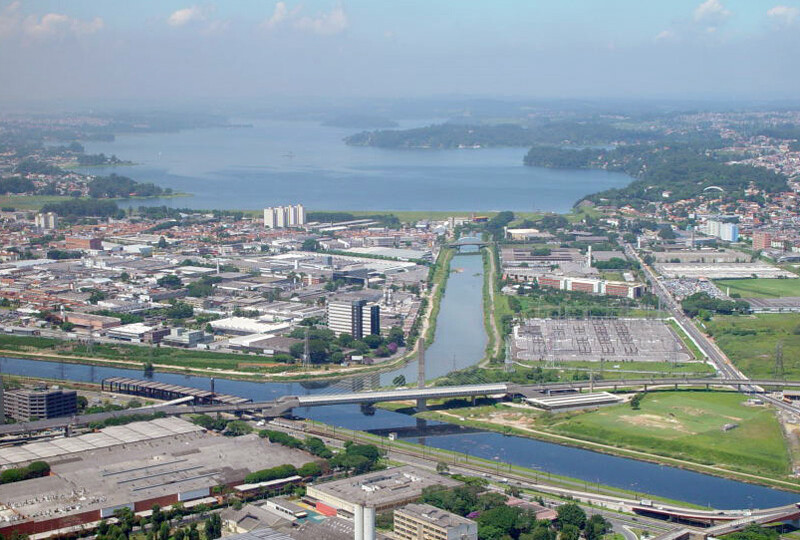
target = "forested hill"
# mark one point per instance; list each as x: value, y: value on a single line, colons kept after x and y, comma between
x: 662, y: 173
x: 451, y: 135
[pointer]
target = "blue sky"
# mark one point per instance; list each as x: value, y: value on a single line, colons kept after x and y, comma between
x: 150, y: 49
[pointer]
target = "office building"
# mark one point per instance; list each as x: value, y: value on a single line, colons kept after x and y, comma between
x: 25, y: 404
x: 356, y: 317
x: 46, y: 221
x: 426, y: 522
x: 280, y: 217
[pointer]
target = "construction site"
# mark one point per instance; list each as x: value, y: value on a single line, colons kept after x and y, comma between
x: 611, y: 340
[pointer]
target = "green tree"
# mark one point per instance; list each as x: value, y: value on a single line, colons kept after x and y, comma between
x: 596, y: 527
x: 400, y: 380
x: 170, y: 281
x: 570, y: 514
x: 162, y: 243
x: 310, y: 245
x: 237, y: 428
x: 570, y: 532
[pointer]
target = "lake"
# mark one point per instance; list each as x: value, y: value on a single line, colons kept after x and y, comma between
x: 281, y: 162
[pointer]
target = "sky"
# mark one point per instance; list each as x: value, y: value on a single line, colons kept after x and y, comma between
x: 258, y: 49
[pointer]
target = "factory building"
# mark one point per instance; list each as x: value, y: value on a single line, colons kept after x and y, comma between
x: 356, y: 317
x: 281, y: 217
x: 25, y: 404
x: 134, y: 466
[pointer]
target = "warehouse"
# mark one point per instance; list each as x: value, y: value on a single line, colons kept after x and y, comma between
x: 134, y: 466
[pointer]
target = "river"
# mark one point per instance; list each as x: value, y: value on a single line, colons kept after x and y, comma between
x: 460, y: 340
x: 282, y: 162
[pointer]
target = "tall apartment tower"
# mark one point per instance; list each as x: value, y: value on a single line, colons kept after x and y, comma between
x: 354, y: 317
x: 46, y: 221
x: 280, y: 217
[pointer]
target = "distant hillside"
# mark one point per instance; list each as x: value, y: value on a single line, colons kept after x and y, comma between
x: 360, y: 121
x: 443, y: 136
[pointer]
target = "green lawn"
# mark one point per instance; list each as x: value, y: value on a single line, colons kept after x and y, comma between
x: 760, y: 288
x: 688, y: 425
x: 177, y: 358
x: 750, y: 342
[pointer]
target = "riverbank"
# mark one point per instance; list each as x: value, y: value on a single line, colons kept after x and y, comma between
x: 457, y: 459
x: 225, y: 364
x: 495, y: 305
x: 499, y: 419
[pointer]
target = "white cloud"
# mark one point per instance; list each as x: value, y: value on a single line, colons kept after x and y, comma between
x: 49, y: 25
x: 279, y: 15
x: 712, y: 13
x: 10, y: 19
x: 186, y: 15
x: 665, y: 35
x: 326, y: 24
x: 57, y: 24
x: 783, y: 14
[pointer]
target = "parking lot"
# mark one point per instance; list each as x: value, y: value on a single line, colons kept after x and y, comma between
x: 612, y: 340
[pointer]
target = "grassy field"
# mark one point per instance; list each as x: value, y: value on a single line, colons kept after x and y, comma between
x: 684, y: 425
x: 29, y: 202
x: 688, y: 425
x: 688, y: 343
x: 760, y: 288
x: 750, y: 342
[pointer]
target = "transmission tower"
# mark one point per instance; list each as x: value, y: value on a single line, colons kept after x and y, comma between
x: 779, y: 360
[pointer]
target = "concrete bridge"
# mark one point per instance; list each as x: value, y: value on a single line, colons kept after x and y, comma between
x: 280, y: 406
x: 469, y: 241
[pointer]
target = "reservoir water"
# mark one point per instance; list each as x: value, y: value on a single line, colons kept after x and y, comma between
x: 281, y: 162
x: 460, y: 340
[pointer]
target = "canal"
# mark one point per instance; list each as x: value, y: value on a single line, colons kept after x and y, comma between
x: 460, y: 342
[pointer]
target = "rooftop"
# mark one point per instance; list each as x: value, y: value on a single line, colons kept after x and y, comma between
x: 384, y: 487
x: 436, y: 516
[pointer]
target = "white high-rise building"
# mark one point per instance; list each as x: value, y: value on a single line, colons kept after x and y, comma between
x: 46, y: 221
x: 279, y: 217
x: 729, y: 232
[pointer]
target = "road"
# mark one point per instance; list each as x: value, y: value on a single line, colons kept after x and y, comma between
x: 719, y: 359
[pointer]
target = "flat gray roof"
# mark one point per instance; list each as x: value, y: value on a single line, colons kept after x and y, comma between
x: 123, y: 473
x: 384, y: 487
x: 436, y: 516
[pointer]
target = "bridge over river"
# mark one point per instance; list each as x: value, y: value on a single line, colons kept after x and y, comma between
x: 282, y: 405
